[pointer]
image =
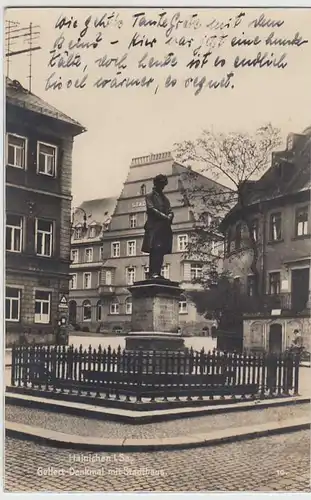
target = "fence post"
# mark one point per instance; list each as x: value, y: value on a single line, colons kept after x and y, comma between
x: 271, y: 372
x: 296, y: 374
x: 13, y: 364
x: 263, y: 375
x: 139, y: 375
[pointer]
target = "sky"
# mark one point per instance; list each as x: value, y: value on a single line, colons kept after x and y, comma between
x: 125, y: 123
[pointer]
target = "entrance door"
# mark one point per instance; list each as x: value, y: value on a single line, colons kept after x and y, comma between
x: 275, y: 338
x: 300, y: 289
x: 72, y: 312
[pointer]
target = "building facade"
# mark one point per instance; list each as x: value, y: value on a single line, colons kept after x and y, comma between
x: 280, y: 211
x: 39, y: 142
x: 89, y: 222
x: 124, y: 262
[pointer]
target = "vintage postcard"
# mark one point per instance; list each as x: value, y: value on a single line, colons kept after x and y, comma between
x: 157, y: 249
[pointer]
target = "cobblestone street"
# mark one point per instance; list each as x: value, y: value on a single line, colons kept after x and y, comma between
x: 276, y: 463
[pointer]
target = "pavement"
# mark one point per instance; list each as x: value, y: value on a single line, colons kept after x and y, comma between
x: 273, y: 463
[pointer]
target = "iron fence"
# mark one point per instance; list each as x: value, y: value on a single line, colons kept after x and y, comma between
x: 120, y: 373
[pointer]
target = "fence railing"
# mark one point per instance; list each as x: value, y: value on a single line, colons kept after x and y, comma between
x: 120, y: 373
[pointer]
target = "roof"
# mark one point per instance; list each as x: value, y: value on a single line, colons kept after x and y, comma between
x: 17, y: 95
x: 288, y: 174
x: 98, y: 210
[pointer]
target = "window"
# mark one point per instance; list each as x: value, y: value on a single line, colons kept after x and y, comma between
x: 46, y: 159
x: 274, y: 283
x: 275, y: 226
x: 130, y: 275
x: 255, y: 229
x: 12, y: 303
x: 114, y: 307
x: 44, y: 233
x: 87, y: 310
x: 99, y: 274
x: 205, y: 331
x: 16, y: 151
x: 108, y: 278
x: 93, y: 232
x: 98, y: 311
x: 78, y: 233
x: 42, y: 307
x: 89, y: 255
x: 131, y: 248
x: 143, y: 189
x: 74, y: 256
x: 196, y: 271
x: 133, y: 220
x: 301, y: 222
x: 165, y: 271
x: 101, y: 253
x: 238, y: 236
x: 128, y: 305
x: 73, y: 281
x: 14, y: 233
x: 146, y: 272
x: 182, y: 242
x: 115, y: 249
x: 250, y: 284
x: 86, y: 280
x: 183, y: 305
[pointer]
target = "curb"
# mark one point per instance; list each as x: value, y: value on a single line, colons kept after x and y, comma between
x: 134, y: 417
x: 88, y: 443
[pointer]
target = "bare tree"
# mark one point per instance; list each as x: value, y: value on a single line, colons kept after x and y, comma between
x: 235, y: 161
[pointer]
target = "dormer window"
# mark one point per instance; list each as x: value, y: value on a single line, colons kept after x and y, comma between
x: 92, y: 232
x: 78, y: 233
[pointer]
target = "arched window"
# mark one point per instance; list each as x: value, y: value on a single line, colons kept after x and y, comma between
x: 128, y: 305
x: 143, y: 189
x: 114, y: 306
x: 87, y: 310
x: 183, y: 309
x: 99, y: 311
x: 205, y: 331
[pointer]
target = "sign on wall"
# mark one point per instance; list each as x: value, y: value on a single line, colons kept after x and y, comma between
x: 137, y: 204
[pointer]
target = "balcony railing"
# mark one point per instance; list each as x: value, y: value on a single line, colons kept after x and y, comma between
x: 106, y: 290
x: 281, y: 301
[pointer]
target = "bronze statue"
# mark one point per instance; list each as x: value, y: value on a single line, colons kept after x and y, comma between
x: 158, y: 231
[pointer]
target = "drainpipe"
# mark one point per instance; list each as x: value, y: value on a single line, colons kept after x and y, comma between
x: 264, y: 244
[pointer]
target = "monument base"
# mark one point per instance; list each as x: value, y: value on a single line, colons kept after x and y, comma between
x: 147, y: 341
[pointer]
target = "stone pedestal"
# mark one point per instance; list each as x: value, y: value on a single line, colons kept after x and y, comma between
x: 155, y: 316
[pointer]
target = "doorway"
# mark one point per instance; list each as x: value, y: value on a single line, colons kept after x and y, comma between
x: 300, y: 289
x: 275, y: 338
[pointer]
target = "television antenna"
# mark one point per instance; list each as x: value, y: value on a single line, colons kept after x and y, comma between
x: 14, y: 36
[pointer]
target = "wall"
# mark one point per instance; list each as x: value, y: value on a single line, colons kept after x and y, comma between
x: 275, y: 253
x: 32, y: 195
x: 256, y: 332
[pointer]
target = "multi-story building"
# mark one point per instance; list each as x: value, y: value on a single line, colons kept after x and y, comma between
x: 89, y: 222
x: 279, y: 206
x: 39, y: 142
x: 124, y: 262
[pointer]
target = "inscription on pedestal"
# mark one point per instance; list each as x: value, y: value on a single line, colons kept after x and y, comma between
x: 166, y: 314
x: 142, y: 314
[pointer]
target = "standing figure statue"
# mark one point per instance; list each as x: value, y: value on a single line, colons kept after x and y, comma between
x: 158, y: 231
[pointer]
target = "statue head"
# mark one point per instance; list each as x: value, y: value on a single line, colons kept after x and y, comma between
x: 160, y: 181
